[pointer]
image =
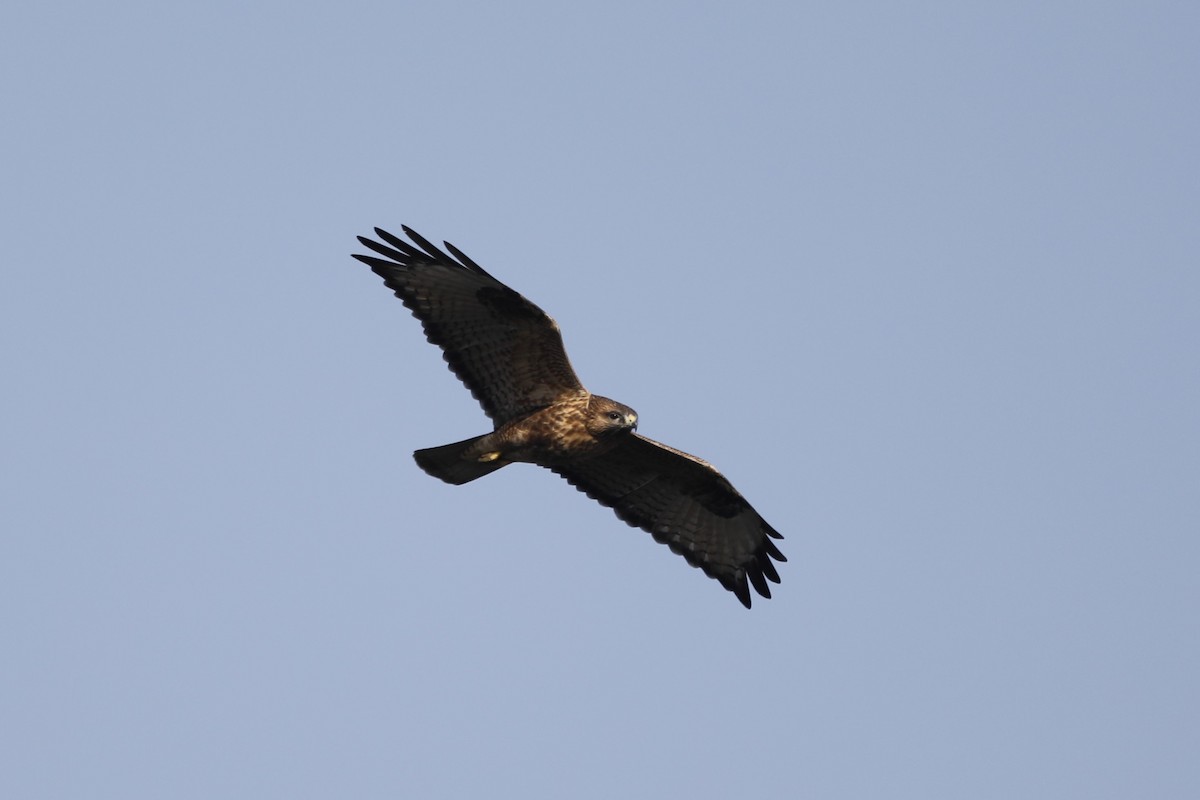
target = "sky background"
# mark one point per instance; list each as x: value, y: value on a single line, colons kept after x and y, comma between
x: 922, y: 279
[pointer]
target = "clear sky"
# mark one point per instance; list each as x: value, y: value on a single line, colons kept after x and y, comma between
x: 921, y: 278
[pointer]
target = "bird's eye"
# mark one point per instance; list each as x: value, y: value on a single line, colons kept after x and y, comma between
x: 614, y: 415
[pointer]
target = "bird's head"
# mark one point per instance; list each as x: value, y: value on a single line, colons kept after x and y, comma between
x: 608, y: 417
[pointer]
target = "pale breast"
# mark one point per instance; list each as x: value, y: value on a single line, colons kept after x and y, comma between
x: 550, y: 436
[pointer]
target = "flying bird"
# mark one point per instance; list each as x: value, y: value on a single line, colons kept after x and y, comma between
x: 509, y: 354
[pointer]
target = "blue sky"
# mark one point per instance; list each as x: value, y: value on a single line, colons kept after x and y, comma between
x: 921, y: 279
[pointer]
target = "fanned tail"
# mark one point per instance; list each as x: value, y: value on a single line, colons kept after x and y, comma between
x: 447, y: 463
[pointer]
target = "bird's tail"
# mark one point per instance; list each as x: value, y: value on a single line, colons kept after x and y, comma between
x: 448, y: 463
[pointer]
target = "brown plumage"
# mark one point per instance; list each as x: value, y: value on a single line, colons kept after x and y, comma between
x: 510, y: 354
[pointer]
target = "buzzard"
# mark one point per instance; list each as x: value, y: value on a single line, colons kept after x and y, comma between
x: 510, y: 354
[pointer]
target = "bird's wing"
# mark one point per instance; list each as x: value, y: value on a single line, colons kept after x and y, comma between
x: 684, y: 503
x: 506, y: 350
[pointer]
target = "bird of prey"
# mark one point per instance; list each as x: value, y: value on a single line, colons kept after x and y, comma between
x: 510, y: 354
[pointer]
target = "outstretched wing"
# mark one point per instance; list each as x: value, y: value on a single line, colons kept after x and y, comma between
x: 684, y: 503
x: 506, y: 350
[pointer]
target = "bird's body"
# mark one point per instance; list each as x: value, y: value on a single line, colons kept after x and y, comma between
x: 555, y: 436
x: 510, y: 355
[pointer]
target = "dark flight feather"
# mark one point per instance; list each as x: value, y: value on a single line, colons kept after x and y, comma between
x: 506, y: 350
